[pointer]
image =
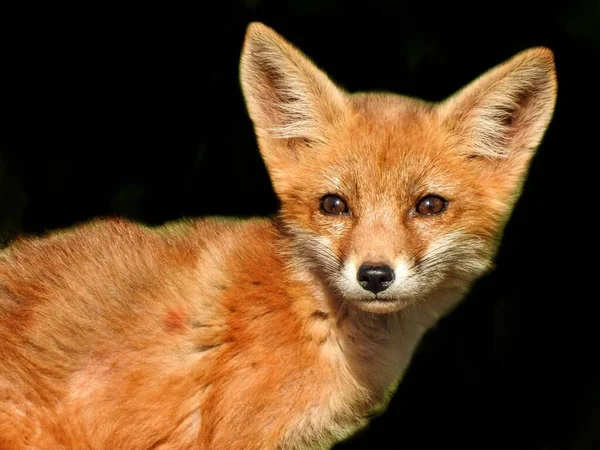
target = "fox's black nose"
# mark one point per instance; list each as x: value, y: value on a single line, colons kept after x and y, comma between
x: 375, y: 278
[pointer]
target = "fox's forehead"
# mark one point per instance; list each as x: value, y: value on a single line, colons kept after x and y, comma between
x: 394, y: 122
x: 387, y: 104
x: 390, y: 144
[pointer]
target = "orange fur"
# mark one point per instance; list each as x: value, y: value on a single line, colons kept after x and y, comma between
x: 221, y: 334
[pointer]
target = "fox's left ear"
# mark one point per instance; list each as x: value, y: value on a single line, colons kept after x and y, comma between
x: 504, y: 113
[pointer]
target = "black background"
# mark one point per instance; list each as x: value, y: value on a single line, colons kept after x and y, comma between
x: 139, y: 113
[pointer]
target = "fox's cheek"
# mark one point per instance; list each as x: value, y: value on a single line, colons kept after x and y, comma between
x: 336, y: 228
x: 337, y: 244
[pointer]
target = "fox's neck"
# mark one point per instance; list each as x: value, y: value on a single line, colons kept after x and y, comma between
x: 376, y: 348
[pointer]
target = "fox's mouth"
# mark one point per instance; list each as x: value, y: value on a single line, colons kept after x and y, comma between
x: 378, y: 298
x: 380, y: 304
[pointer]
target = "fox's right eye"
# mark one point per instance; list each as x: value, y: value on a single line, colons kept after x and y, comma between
x: 334, y: 205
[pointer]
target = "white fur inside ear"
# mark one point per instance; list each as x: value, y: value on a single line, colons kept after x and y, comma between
x: 297, y: 113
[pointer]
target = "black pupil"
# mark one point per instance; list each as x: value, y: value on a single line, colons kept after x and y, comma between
x: 334, y: 205
x: 431, y: 205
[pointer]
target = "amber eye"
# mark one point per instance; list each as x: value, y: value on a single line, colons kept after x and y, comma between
x: 431, y: 205
x: 334, y: 205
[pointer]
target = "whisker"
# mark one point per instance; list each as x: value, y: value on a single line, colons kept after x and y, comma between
x: 451, y: 255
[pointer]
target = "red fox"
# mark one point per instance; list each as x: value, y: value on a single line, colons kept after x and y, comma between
x: 278, y: 333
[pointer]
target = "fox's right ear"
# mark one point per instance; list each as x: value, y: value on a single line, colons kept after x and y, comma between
x: 290, y: 101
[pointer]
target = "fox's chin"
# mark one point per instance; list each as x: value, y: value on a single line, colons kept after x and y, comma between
x: 380, y: 305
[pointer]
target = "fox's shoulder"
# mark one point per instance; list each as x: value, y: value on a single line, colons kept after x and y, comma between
x: 110, y: 268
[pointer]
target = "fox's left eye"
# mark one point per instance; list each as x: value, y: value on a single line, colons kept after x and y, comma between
x: 431, y: 205
x: 334, y: 205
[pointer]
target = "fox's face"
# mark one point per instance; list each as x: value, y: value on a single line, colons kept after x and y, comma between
x: 390, y: 199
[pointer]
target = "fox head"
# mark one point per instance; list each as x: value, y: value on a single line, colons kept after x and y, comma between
x: 391, y: 199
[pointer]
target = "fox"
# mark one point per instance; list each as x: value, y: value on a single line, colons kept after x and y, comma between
x: 282, y: 332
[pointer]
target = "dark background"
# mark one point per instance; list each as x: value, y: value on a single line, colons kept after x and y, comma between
x: 139, y: 113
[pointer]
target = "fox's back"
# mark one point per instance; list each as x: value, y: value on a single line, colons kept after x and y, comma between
x: 96, y: 276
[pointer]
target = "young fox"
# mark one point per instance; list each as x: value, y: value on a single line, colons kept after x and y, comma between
x: 284, y: 333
